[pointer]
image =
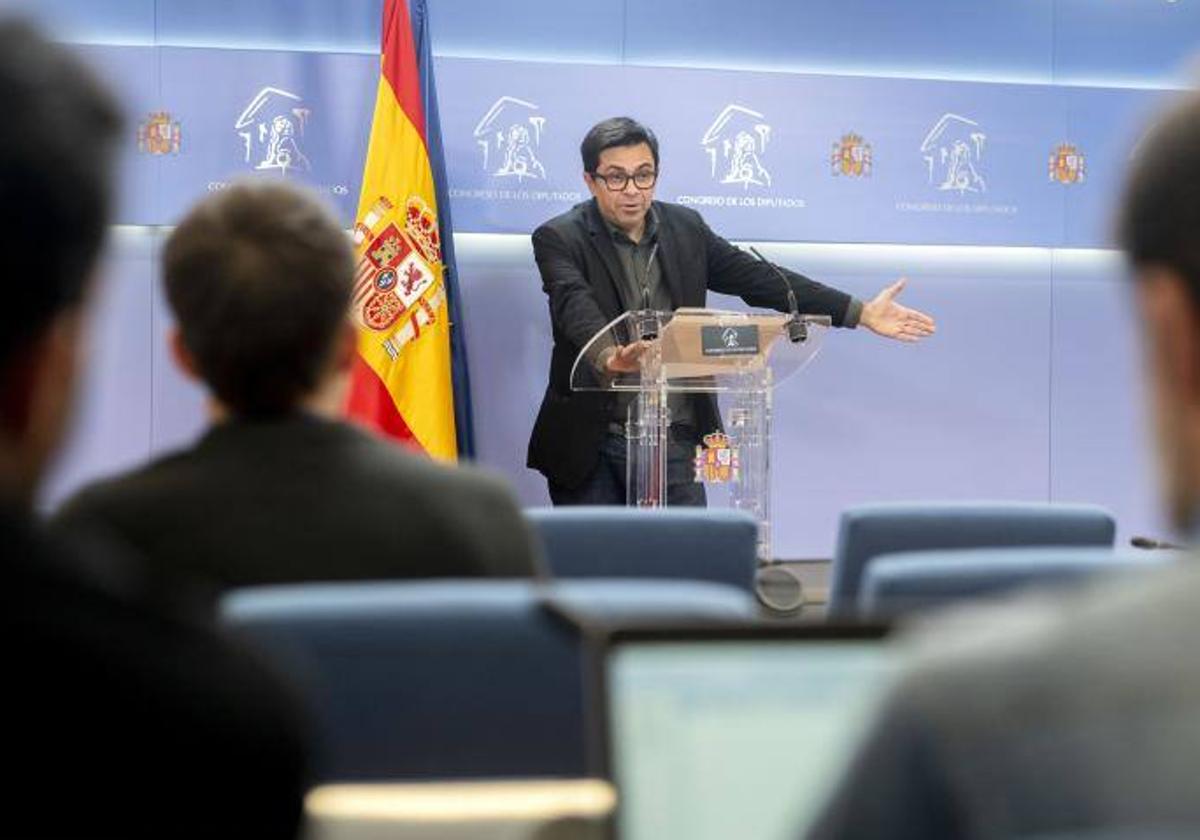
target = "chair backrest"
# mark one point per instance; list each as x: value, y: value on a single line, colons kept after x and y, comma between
x: 871, y: 530
x: 898, y: 584
x: 450, y: 679
x: 620, y: 542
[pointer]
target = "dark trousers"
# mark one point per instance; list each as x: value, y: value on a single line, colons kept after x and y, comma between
x: 606, y: 484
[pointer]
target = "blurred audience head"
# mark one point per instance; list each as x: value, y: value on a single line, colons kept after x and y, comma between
x: 1159, y: 229
x: 58, y: 141
x: 259, y: 278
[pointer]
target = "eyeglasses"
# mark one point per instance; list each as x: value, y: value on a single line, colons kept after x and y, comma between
x: 643, y: 179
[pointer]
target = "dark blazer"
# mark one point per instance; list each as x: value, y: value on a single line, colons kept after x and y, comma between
x: 129, y: 720
x: 304, y: 499
x: 580, y: 272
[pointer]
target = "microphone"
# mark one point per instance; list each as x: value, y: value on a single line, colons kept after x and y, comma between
x: 797, y: 329
x: 648, y: 329
x: 1146, y: 542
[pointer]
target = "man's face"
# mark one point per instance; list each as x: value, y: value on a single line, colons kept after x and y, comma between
x: 624, y: 208
x: 1172, y: 356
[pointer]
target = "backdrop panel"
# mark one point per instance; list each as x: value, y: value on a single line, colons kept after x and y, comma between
x: 111, y: 428
x: 1100, y: 435
x: 245, y: 113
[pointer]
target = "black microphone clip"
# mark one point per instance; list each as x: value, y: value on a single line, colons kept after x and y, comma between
x: 797, y: 329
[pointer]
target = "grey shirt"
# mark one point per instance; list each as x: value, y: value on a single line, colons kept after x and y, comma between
x: 644, y: 284
x: 643, y: 272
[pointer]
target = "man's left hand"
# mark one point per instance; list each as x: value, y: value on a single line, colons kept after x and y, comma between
x: 883, y: 316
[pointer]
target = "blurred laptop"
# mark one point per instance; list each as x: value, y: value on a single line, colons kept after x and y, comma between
x: 733, y: 731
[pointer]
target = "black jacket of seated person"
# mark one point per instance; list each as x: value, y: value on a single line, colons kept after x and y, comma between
x: 307, y: 499
x: 124, y: 718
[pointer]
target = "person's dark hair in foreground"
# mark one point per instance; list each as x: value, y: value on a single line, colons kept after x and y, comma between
x: 280, y: 488
x: 1076, y: 715
x: 259, y: 279
x: 1159, y: 229
x: 124, y: 719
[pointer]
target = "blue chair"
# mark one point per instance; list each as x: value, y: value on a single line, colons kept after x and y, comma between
x: 451, y: 679
x: 871, y: 530
x: 620, y: 542
x: 898, y: 584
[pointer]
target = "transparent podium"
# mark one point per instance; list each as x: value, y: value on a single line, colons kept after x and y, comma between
x: 738, y: 358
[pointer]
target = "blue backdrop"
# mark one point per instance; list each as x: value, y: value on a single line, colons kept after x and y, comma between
x: 977, y: 148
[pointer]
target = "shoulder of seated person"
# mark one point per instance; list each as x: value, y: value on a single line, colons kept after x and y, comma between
x: 463, y: 473
x: 1029, y: 631
x: 136, y: 484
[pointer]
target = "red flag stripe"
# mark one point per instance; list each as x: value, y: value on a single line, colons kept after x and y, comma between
x: 400, y: 62
x: 369, y: 398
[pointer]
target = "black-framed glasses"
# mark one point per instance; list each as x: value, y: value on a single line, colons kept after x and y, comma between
x: 643, y: 179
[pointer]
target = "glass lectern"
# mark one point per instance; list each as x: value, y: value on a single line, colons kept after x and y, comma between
x: 737, y: 357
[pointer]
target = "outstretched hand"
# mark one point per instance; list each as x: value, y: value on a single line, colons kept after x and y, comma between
x: 883, y: 316
x: 626, y: 358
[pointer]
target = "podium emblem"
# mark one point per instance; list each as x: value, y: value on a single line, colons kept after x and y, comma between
x: 716, y: 461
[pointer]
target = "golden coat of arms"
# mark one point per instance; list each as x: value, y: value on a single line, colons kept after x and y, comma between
x: 396, y: 270
x: 159, y: 135
x: 851, y: 157
x: 716, y: 462
x: 1067, y: 164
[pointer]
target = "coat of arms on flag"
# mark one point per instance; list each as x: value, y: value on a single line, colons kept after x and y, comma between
x: 395, y: 271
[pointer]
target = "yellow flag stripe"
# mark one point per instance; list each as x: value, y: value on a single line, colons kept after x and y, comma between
x: 419, y: 380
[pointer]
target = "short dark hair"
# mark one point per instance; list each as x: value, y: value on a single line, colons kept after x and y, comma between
x: 1159, y: 221
x: 615, y: 131
x: 58, y: 140
x: 259, y: 279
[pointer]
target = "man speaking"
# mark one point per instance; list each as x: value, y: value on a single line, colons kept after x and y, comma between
x: 619, y: 252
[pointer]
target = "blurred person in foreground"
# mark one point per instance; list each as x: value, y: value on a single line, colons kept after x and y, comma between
x: 123, y: 718
x: 278, y: 490
x: 1076, y: 716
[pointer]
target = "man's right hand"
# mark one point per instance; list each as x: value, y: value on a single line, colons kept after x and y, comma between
x: 626, y: 358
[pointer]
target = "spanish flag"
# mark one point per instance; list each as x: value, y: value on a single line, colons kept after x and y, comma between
x: 403, y: 384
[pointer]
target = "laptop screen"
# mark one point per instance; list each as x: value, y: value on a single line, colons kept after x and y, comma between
x: 713, y: 738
